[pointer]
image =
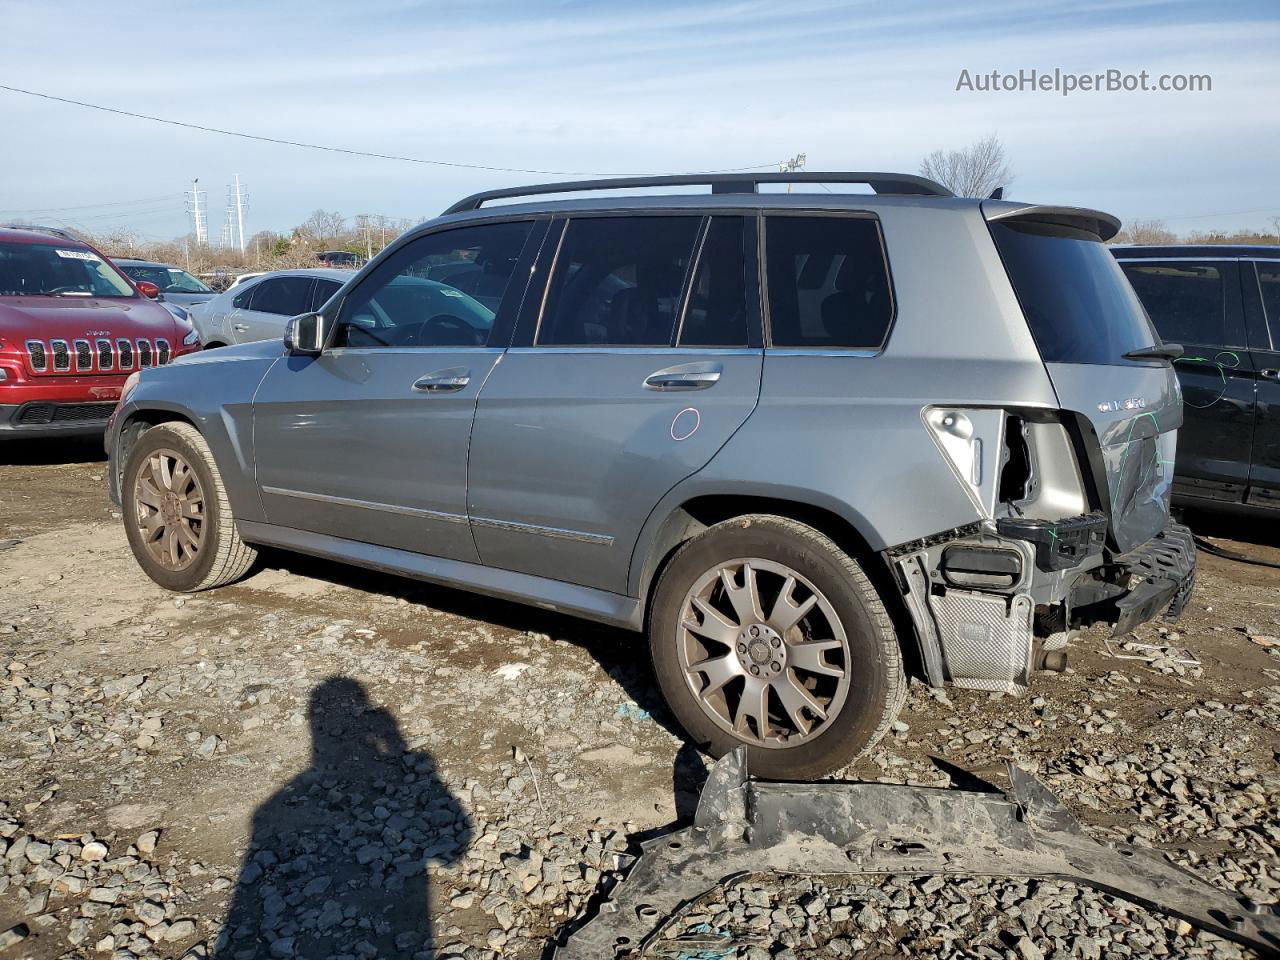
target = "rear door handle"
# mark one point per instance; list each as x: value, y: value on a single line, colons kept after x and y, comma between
x: 686, y: 376
x: 1269, y: 374
x: 240, y: 327
x: 443, y: 381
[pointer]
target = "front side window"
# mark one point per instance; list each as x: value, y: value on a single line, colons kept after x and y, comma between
x: 1185, y: 300
x: 47, y: 270
x: 441, y: 290
x: 717, y: 312
x: 828, y: 283
x: 617, y: 281
x: 287, y: 296
x: 168, y: 279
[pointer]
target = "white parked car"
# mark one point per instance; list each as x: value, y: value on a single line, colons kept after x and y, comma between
x: 258, y: 309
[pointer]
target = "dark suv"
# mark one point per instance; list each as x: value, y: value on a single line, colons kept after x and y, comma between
x: 1222, y: 303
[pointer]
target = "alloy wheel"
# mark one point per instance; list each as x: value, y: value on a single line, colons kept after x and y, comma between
x: 764, y: 652
x: 170, y: 509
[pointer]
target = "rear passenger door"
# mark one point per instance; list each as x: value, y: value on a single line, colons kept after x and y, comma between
x: 631, y: 368
x: 1260, y: 281
x: 274, y: 301
x: 1196, y: 302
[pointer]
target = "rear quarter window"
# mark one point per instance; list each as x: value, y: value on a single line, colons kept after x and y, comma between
x: 828, y: 282
x: 1186, y: 301
x: 1075, y: 297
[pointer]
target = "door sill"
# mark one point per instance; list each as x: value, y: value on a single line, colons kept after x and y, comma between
x: 586, y: 602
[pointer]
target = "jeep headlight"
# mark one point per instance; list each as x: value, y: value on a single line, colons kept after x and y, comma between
x: 191, y: 338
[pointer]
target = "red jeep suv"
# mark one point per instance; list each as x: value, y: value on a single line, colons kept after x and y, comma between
x: 72, y: 329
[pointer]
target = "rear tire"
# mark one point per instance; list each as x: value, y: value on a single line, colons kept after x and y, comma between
x: 762, y: 601
x: 176, y: 513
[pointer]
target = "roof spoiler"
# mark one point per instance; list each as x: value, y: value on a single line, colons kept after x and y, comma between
x: 900, y: 183
x: 1102, y: 225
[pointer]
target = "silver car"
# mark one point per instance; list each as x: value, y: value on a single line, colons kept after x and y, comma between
x: 809, y: 443
x: 259, y: 308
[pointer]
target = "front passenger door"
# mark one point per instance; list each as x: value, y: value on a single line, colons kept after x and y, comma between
x: 275, y: 300
x: 368, y: 441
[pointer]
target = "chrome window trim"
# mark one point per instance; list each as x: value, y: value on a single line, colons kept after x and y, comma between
x: 1178, y: 259
x: 662, y: 351
x: 401, y: 351
x: 557, y: 533
x: 88, y: 349
x: 110, y: 363
x: 821, y: 352
x: 367, y: 504
x: 53, y: 344
x: 44, y: 351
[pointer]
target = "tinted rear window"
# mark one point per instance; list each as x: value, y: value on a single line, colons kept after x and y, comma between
x: 1079, y: 305
x: 1185, y: 300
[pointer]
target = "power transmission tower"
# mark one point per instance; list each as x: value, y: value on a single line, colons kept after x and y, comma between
x: 195, y: 199
x: 228, y: 230
x: 239, y: 202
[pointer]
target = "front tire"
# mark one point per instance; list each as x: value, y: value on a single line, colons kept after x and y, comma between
x: 176, y: 513
x: 765, y: 633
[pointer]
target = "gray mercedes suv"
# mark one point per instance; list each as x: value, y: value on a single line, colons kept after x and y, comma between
x: 806, y: 442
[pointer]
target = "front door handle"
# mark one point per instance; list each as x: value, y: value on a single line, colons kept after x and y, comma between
x: 685, y: 376
x: 443, y: 381
x: 1269, y: 374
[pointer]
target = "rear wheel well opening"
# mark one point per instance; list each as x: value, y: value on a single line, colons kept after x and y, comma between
x: 696, y: 515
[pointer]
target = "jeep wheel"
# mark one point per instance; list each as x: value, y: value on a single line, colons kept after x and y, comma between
x: 177, y: 516
x: 765, y: 633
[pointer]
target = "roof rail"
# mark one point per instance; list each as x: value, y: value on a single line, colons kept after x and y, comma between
x: 901, y: 183
x: 36, y: 228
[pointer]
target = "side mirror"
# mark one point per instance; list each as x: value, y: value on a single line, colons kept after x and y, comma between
x: 304, y: 335
x: 148, y: 289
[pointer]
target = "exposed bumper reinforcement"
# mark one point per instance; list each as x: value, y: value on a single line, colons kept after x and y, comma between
x: 744, y: 827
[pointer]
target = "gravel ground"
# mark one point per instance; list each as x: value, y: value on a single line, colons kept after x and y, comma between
x: 321, y: 762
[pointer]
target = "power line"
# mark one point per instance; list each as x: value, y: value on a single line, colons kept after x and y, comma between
x: 88, y: 206
x: 346, y: 150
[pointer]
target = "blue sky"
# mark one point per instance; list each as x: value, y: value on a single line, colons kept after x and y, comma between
x: 621, y: 88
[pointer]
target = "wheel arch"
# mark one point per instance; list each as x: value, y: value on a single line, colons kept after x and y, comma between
x: 849, y: 530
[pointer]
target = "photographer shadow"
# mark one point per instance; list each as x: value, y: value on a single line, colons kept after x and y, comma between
x: 337, y: 863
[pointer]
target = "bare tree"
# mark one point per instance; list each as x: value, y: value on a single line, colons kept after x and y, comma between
x: 323, y: 227
x: 1146, y: 231
x: 975, y: 171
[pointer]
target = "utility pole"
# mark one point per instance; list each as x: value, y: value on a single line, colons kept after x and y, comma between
x: 240, y: 200
x: 197, y: 214
x: 791, y: 166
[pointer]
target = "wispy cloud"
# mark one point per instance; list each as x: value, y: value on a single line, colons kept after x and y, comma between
x: 616, y: 87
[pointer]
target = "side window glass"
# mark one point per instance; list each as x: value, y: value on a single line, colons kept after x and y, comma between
x: 286, y: 296
x: 324, y: 289
x: 618, y: 281
x: 441, y: 290
x: 1185, y: 300
x: 242, y: 300
x: 1269, y: 284
x: 828, y: 282
x: 717, y: 311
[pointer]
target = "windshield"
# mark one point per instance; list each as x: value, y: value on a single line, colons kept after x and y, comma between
x: 1079, y: 305
x: 168, y: 279
x: 45, y: 270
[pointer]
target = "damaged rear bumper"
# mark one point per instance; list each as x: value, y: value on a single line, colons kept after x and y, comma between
x: 746, y: 827
x: 992, y: 603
